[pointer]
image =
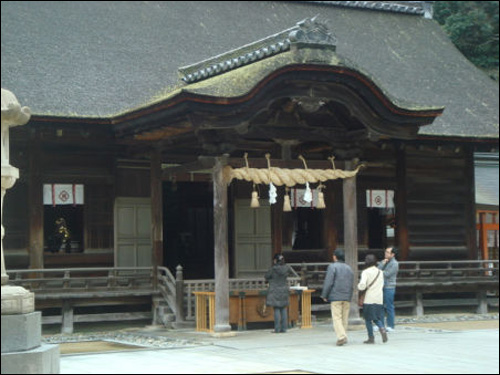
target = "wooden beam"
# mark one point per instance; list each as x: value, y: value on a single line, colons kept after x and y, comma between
x: 205, y: 163
x: 351, y: 233
x: 191, y: 177
x: 221, y: 257
x: 279, y: 163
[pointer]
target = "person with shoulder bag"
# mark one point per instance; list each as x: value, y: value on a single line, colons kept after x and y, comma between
x: 371, y: 283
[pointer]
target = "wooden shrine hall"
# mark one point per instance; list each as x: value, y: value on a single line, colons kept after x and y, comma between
x: 321, y: 135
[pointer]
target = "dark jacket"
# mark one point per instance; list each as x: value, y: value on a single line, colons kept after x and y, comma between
x: 278, y: 292
x: 339, y: 282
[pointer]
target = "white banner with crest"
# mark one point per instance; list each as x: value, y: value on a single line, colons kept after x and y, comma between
x: 380, y: 198
x: 62, y: 194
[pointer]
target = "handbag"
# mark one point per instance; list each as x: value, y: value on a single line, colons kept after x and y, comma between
x: 362, y: 293
x: 361, y: 297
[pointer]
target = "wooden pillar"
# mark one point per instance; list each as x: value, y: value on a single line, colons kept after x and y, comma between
x: 401, y: 205
x: 351, y: 233
x: 67, y: 317
x: 156, y: 213
x: 221, y: 261
x: 483, y: 235
x: 419, y: 304
x: 482, y: 302
x: 35, y: 198
x: 277, y: 226
x: 329, y: 227
x: 470, y: 204
x: 179, y: 295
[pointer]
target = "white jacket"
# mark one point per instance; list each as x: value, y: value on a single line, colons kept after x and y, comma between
x: 374, y: 295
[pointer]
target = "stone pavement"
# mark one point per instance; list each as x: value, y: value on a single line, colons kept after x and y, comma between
x: 410, y: 349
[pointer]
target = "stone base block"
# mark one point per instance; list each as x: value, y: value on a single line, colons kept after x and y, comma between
x: 21, y: 332
x: 17, y: 300
x: 41, y: 360
x: 184, y: 325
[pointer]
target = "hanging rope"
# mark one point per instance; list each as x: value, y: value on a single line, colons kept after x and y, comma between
x: 303, y: 161
x: 308, y: 193
x: 246, y: 159
x: 272, y: 189
x: 331, y: 158
x: 288, y: 177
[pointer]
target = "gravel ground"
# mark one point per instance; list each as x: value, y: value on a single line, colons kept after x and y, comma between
x: 139, y: 336
x: 127, y: 338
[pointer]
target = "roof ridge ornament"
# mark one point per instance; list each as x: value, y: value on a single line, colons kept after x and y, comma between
x: 311, y: 31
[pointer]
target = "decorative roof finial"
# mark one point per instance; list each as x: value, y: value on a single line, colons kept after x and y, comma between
x: 312, y: 31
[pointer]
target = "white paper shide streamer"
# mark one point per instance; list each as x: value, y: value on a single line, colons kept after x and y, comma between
x: 272, y: 193
x: 308, y: 194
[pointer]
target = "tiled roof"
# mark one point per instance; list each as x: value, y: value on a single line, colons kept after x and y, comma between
x: 409, y: 7
x: 307, y: 31
x: 107, y: 58
x: 213, y: 68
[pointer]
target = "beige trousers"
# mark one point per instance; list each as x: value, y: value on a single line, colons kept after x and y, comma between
x: 340, y: 316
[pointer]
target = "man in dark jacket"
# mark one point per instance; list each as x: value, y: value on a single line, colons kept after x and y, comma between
x: 338, y: 290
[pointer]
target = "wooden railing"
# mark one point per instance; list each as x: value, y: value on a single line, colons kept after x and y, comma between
x: 471, y: 271
x: 167, y: 285
x: 313, y: 274
x: 45, y: 281
x: 208, y: 285
x: 417, y: 280
x: 68, y: 289
x: 177, y: 294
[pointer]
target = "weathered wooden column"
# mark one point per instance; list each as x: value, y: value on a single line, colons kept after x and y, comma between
x: 35, y: 199
x: 329, y: 229
x: 221, y: 256
x: 401, y: 205
x: 156, y: 214
x: 470, y: 206
x: 277, y: 226
x: 351, y: 234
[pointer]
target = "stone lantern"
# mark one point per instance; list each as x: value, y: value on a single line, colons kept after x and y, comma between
x: 22, y: 350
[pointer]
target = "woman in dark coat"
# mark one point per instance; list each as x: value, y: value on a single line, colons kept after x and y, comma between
x: 278, y: 292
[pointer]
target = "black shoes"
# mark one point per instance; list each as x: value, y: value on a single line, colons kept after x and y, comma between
x: 371, y: 340
x: 383, y: 332
x: 341, y: 342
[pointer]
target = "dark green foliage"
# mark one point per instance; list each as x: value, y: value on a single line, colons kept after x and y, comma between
x: 473, y: 28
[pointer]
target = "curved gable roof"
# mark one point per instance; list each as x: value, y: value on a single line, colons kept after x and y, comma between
x: 102, y: 59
